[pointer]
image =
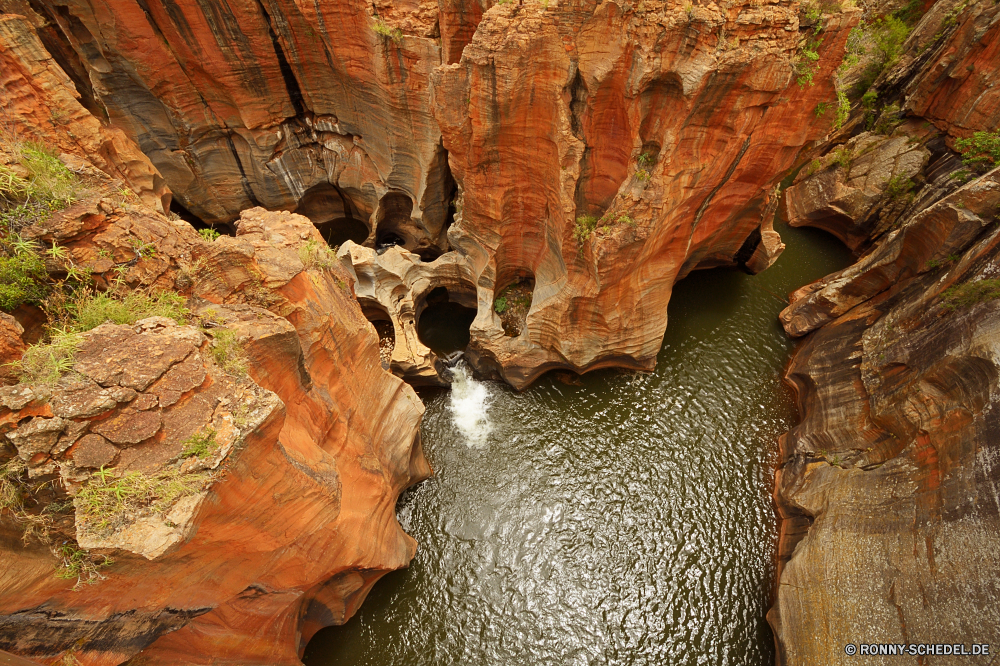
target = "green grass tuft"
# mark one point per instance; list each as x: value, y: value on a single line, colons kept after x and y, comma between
x: 980, y: 152
x: 585, y: 226
x: 107, y: 502
x: 228, y: 352
x: 971, y: 293
x: 89, y: 310
x: 46, y: 362
x: 22, y: 273
x: 199, y: 444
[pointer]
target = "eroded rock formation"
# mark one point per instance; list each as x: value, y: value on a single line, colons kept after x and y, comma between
x: 285, y: 465
x: 601, y: 149
x: 40, y: 103
x: 887, y: 490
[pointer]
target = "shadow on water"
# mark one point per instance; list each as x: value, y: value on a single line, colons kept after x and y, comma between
x: 623, y: 519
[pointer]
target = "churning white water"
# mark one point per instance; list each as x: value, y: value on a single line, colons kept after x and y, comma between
x: 469, y: 404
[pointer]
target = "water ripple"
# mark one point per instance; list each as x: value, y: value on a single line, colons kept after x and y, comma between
x: 625, y: 521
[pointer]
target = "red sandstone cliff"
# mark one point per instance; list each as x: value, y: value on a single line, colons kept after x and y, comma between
x: 278, y: 526
x: 668, y: 124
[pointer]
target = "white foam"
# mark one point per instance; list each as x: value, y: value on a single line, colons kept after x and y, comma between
x: 469, y: 405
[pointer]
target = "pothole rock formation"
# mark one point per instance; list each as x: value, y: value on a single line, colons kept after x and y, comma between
x: 601, y: 149
x: 267, y: 483
x: 396, y: 283
x: 606, y: 154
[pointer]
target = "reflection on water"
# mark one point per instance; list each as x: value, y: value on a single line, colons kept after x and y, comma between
x: 626, y: 520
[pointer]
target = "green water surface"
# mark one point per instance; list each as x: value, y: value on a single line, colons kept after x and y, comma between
x: 624, y: 520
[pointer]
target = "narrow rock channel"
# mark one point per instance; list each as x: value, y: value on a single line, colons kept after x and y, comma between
x: 616, y: 518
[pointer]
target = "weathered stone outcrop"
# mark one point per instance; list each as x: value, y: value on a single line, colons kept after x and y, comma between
x: 933, y: 236
x: 657, y: 122
x: 838, y: 193
x: 888, y: 496
x: 11, y: 347
x: 289, y: 516
x: 887, y: 489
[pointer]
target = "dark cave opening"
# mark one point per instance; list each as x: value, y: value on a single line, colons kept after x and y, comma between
x: 178, y: 209
x: 334, y: 214
x: 394, y: 213
x: 379, y: 318
x: 444, y: 317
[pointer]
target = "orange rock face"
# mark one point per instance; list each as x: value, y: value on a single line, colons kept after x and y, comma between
x: 668, y: 126
x: 665, y: 134
x: 42, y: 104
x: 293, y: 516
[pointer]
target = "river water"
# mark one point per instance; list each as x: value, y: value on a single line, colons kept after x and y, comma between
x: 624, y: 519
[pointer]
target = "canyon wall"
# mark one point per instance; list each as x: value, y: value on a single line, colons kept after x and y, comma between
x: 256, y: 450
x: 887, y: 488
x: 601, y: 150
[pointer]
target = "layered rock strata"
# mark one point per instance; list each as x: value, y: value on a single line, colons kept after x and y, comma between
x: 887, y: 489
x: 601, y: 149
x: 270, y: 477
x: 889, y: 484
x: 39, y: 102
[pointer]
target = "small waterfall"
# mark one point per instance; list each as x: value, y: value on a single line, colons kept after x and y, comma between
x: 469, y: 404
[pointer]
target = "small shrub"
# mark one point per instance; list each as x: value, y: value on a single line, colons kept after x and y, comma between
x: 199, y: 444
x: 971, y: 293
x: 642, y: 175
x: 962, y: 175
x: 228, y: 352
x: 898, y: 186
x: 585, y: 225
x: 625, y: 219
x: 813, y: 13
x: 382, y: 29
x: 80, y: 564
x: 46, y: 362
x: 645, y: 160
x: 822, y: 108
x: 882, y: 40
x: 807, y: 63
x: 209, y: 234
x: 141, y: 248
x: 315, y: 255
x: 843, y: 110
x: 981, y: 152
x: 500, y: 305
x: 843, y: 157
x: 22, y: 273
x: 888, y: 120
